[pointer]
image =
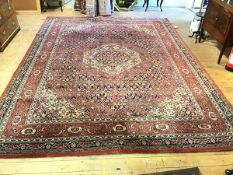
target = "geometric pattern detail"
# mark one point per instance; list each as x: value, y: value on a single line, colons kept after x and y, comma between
x: 111, y: 58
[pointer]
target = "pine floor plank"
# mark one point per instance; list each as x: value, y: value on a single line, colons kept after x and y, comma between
x: 122, y: 162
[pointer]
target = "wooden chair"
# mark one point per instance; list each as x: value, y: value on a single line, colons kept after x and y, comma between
x: 45, y: 3
x: 146, y: 2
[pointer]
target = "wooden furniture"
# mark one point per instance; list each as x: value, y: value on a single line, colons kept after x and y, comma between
x: 45, y: 3
x: 27, y: 7
x: 8, y: 23
x: 24, y: 4
x: 218, y: 22
x: 146, y: 2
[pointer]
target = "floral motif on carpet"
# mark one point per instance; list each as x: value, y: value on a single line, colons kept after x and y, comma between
x: 111, y: 85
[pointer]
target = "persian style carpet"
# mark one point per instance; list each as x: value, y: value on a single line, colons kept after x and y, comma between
x: 109, y: 85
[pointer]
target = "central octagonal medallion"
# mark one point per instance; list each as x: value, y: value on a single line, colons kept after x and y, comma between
x: 111, y: 58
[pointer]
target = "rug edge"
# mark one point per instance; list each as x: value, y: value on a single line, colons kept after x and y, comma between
x: 115, y: 151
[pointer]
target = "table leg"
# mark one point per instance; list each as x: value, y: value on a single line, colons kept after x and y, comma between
x: 221, y: 53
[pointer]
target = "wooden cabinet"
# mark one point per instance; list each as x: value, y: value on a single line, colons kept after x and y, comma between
x: 8, y: 23
x: 218, y: 22
x: 28, y: 6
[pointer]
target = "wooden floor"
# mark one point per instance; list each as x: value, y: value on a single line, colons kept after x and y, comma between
x: 213, y: 163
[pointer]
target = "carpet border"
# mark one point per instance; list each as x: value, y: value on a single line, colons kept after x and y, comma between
x: 116, y: 151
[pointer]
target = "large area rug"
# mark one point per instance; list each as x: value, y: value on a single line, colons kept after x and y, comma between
x: 109, y: 85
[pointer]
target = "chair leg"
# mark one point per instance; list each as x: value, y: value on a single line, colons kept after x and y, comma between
x: 157, y: 3
x: 61, y: 5
x: 147, y: 4
x: 144, y: 3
